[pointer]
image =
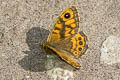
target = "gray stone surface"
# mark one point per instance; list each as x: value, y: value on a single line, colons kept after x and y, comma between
x: 110, y: 51
x: 22, y: 22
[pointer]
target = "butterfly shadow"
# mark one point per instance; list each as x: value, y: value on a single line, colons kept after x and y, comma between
x: 35, y: 59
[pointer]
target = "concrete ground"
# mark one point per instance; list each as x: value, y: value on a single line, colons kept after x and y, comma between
x: 24, y: 23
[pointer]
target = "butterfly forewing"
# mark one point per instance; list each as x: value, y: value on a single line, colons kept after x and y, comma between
x: 67, y: 24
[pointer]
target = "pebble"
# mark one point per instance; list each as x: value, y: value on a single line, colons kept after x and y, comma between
x: 110, y: 50
x: 60, y: 74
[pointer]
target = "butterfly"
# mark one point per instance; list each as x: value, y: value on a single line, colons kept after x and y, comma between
x: 65, y: 40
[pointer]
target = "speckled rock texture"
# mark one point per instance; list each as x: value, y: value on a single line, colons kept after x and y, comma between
x: 24, y: 23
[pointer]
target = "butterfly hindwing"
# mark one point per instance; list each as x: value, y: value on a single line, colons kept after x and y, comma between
x: 67, y: 24
x: 70, y: 49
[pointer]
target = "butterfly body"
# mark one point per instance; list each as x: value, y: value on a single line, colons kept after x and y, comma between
x: 65, y: 40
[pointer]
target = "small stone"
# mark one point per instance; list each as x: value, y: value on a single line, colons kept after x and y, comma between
x: 110, y: 50
x: 58, y: 69
x: 60, y: 74
x: 27, y: 77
